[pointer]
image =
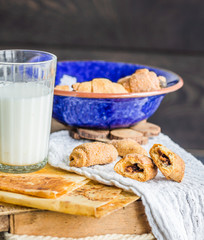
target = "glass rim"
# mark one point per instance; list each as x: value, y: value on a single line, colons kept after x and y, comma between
x: 54, y: 57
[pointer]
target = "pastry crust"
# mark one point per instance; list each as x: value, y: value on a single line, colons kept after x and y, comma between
x: 162, y: 81
x: 99, y: 85
x: 93, y: 153
x: 82, y: 87
x: 62, y: 87
x: 170, y: 164
x: 136, y: 166
x: 75, y: 86
x: 125, y: 82
x: 143, y: 80
x: 118, y: 88
x: 128, y: 146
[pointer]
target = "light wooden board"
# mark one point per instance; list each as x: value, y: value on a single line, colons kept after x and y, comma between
x: 7, y: 209
x: 4, y: 223
x: 89, y: 200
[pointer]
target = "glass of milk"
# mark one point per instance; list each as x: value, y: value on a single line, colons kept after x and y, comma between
x: 26, y: 96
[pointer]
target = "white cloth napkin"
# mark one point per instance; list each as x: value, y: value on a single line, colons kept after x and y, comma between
x: 175, y: 211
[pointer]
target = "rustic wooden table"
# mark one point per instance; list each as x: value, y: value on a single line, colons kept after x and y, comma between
x: 168, y: 35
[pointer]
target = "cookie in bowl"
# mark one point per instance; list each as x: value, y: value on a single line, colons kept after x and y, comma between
x: 143, y: 80
x: 99, y: 85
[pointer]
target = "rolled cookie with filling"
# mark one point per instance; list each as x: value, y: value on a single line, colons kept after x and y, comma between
x: 62, y: 87
x: 127, y: 146
x: 136, y: 166
x: 103, y: 85
x: 99, y: 85
x: 170, y: 164
x: 93, y: 153
x: 162, y: 81
x: 125, y: 82
x: 143, y: 80
x: 82, y: 87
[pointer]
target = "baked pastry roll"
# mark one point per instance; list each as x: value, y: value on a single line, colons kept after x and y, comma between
x: 62, y: 87
x: 82, y: 87
x: 99, y: 85
x: 136, y: 166
x: 93, y: 153
x: 103, y: 85
x: 169, y: 163
x: 128, y: 146
x: 143, y: 80
x: 162, y: 81
x: 125, y: 82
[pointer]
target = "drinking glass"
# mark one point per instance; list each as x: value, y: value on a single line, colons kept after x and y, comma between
x: 26, y: 97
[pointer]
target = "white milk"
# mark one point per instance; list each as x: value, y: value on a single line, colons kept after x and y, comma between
x: 25, y: 118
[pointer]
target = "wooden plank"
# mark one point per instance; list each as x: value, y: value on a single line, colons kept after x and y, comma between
x: 111, y: 24
x: 7, y: 209
x: 129, y: 220
x: 4, y: 223
x: 12, y: 223
x: 57, y: 126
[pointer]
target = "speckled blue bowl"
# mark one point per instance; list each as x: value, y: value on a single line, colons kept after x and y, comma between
x: 106, y: 111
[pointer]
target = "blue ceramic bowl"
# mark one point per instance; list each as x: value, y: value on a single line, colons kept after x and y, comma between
x: 106, y: 111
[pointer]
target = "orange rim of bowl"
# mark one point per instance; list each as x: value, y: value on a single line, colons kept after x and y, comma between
x: 162, y: 91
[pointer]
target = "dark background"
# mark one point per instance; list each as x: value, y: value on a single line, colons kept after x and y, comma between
x: 167, y: 34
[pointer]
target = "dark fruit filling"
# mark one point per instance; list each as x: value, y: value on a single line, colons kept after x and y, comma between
x: 134, y: 168
x: 164, y: 158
